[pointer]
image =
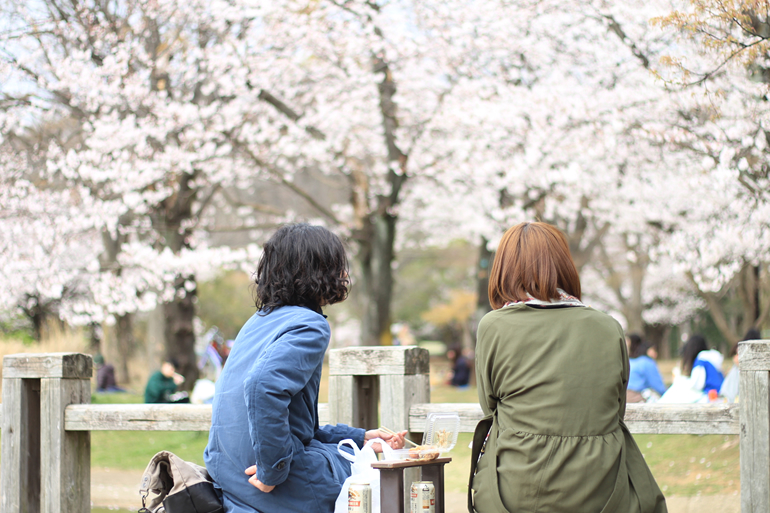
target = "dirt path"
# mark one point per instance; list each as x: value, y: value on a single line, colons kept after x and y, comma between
x: 113, y: 488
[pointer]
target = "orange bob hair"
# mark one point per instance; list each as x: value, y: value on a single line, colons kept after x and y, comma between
x: 534, y: 259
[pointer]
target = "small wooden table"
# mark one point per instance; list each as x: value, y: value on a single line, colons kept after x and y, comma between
x: 392, y: 482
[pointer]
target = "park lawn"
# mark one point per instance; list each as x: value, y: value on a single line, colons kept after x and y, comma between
x: 134, y: 449
x: 683, y: 465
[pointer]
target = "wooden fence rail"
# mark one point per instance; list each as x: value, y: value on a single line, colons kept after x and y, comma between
x: 46, y: 418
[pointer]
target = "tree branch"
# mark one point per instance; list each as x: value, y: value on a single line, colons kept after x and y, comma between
x: 280, y: 177
x: 287, y: 111
x: 257, y: 207
x: 715, y: 309
x: 616, y: 29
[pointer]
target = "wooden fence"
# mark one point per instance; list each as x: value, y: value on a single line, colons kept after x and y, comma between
x: 47, y: 419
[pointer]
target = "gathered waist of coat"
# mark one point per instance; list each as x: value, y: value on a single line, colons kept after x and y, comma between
x: 521, y: 430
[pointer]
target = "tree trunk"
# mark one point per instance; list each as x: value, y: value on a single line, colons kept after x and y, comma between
x: 179, y: 332
x: 717, y: 312
x: 378, y: 233
x: 124, y: 337
x: 748, y: 291
x: 483, y: 268
x: 121, y: 348
x: 375, y: 257
x: 634, y: 306
x: 180, y: 312
x: 37, y: 316
x: 95, y: 335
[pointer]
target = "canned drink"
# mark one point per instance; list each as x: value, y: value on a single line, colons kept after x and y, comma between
x: 359, y: 498
x: 423, y: 496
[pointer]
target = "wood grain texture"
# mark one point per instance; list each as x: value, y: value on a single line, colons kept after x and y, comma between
x: 754, y: 355
x: 398, y: 394
x: 693, y: 419
x: 137, y: 417
x: 354, y: 400
x: 341, y: 404
x: 361, y: 361
x: 755, y: 441
x: 48, y: 365
x: 323, y: 414
x: 20, y: 452
x: 66, y: 481
x: 147, y: 417
x: 409, y: 464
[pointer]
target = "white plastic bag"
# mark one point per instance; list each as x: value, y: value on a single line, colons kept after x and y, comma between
x: 361, y: 471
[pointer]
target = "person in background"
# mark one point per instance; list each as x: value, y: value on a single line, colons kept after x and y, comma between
x: 644, y: 374
x: 105, y: 376
x: 702, y: 364
x: 731, y: 385
x: 699, y: 373
x: 461, y: 369
x: 161, y: 387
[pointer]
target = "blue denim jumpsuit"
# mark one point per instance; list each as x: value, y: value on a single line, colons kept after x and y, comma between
x: 265, y: 412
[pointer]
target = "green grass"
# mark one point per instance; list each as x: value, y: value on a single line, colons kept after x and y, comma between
x: 689, y: 465
x: 134, y: 449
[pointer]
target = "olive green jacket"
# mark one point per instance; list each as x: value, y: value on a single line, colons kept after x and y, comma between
x: 552, y: 382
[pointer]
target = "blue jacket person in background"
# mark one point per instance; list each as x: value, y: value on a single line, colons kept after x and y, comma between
x: 643, y: 371
x: 266, y: 451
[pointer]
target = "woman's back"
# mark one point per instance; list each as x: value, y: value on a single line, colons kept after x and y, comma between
x: 552, y: 376
x: 543, y: 366
x: 556, y: 379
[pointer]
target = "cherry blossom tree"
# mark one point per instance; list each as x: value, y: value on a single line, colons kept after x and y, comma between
x: 444, y: 119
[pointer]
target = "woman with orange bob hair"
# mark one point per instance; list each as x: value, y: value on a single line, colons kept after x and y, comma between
x: 552, y: 376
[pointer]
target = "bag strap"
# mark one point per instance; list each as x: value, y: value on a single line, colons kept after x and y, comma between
x: 350, y: 443
x: 479, y: 435
x: 387, y: 451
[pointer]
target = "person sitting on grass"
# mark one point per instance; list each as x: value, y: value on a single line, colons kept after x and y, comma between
x: 644, y: 380
x: 701, y: 372
x: 461, y: 369
x: 105, y: 376
x: 731, y: 385
x: 161, y: 387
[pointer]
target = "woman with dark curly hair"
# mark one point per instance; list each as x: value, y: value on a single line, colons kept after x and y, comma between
x: 266, y: 451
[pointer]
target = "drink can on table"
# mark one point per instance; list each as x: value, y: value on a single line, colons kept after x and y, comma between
x: 359, y: 498
x: 423, y: 497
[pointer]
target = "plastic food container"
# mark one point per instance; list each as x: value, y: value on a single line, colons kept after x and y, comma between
x: 441, y: 431
x: 421, y: 453
x: 440, y: 436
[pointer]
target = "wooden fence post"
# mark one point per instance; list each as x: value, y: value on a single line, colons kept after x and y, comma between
x: 354, y: 389
x: 36, y: 389
x: 754, y: 362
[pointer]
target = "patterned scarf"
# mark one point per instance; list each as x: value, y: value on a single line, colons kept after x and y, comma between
x: 564, y: 299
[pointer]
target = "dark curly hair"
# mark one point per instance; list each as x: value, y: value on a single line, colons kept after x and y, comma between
x: 301, y: 265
